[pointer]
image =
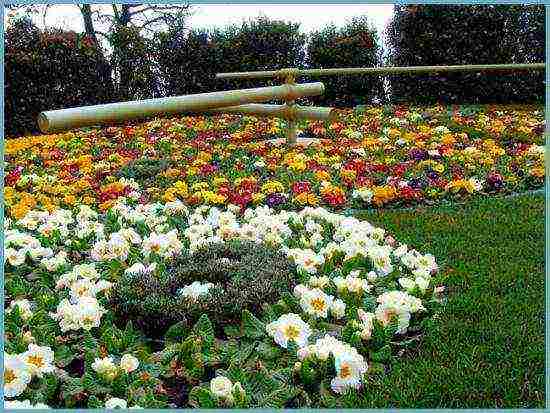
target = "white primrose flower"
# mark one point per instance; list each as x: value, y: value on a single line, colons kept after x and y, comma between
x: 397, y: 304
x: 24, y: 306
x: 105, y: 367
x: 289, y: 327
x: 318, y: 282
x: 116, y: 403
x: 15, y: 257
x: 25, y: 404
x: 54, y: 263
x: 350, y: 369
x: 367, y: 323
x: 338, y: 308
x: 139, y: 268
x: 316, y: 303
x: 16, y: 375
x: 39, y: 360
x: 195, y: 290
x: 129, y: 363
x: 221, y: 387
x: 86, y: 313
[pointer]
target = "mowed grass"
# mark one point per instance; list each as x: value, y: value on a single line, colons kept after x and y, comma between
x: 487, y: 347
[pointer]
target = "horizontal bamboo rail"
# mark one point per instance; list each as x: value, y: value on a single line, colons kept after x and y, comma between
x: 294, y: 112
x: 64, y: 119
x: 283, y: 73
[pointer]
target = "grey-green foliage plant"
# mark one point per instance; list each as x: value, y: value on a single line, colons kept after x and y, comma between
x: 245, y: 276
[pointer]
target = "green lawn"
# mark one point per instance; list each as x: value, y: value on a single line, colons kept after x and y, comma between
x: 487, y: 347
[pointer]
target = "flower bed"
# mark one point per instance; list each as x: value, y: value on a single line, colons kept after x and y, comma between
x: 375, y: 157
x: 356, y: 298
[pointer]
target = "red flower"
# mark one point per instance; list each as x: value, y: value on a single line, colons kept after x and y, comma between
x: 12, y: 178
x: 300, y: 187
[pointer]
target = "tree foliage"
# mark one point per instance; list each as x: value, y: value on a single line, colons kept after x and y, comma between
x: 47, y: 70
x: 425, y: 35
x: 354, y: 45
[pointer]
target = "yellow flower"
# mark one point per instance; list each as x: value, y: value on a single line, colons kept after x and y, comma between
x: 88, y: 200
x: 459, y: 184
x: 192, y: 171
x: 204, y: 156
x: 200, y: 186
x: 106, y: 205
x: 9, y: 193
x: 69, y: 199
x: 213, y: 198
x: 448, y: 139
x: 322, y: 176
x: 438, y: 167
x: 538, y: 172
x: 171, y: 173
x: 383, y: 194
x: 169, y: 195
x: 181, y: 188
x: 19, y: 210
x: 306, y: 198
x: 219, y: 180
x: 348, y: 174
x: 258, y: 198
x: 271, y: 187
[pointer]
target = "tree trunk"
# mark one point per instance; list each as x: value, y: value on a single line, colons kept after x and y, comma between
x: 86, y: 11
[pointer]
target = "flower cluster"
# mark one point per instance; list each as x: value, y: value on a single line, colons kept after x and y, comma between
x: 19, y: 369
x: 339, y: 264
x: 371, y: 158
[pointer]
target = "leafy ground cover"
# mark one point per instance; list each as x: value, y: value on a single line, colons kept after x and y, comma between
x: 486, y: 349
x: 347, y: 296
x: 374, y: 157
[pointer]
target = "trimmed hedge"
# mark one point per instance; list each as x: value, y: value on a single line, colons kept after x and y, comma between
x: 424, y: 35
x: 50, y: 70
x: 189, y: 62
x: 354, y: 45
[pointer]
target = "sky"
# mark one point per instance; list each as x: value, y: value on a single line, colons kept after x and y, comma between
x: 310, y: 17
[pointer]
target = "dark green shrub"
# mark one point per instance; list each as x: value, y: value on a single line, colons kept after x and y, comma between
x: 188, y: 62
x: 144, y: 171
x: 425, y: 35
x: 354, y: 45
x: 50, y: 70
x: 134, y: 63
x: 245, y: 276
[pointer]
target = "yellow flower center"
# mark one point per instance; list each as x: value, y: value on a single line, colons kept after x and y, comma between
x: 9, y: 376
x: 318, y: 304
x: 38, y: 361
x: 345, y: 371
x: 292, y: 332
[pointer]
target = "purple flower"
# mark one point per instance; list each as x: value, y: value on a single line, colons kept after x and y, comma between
x: 432, y: 175
x: 275, y: 199
x: 418, y: 154
x: 417, y: 183
x: 495, y: 180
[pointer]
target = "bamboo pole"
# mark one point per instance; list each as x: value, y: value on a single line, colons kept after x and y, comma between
x: 380, y: 70
x: 64, y: 119
x: 281, y: 111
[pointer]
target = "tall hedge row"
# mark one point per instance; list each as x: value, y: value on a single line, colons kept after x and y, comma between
x: 49, y: 70
x: 188, y: 62
x: 424, y: 35
x: 354, y: 45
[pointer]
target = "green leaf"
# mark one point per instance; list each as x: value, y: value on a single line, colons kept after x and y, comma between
x: 200, y: 397
x: 252, y: 326
x: 177, y: 332
x: 232, y: 331
x: 383, y: 355
x: 205, y: 330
